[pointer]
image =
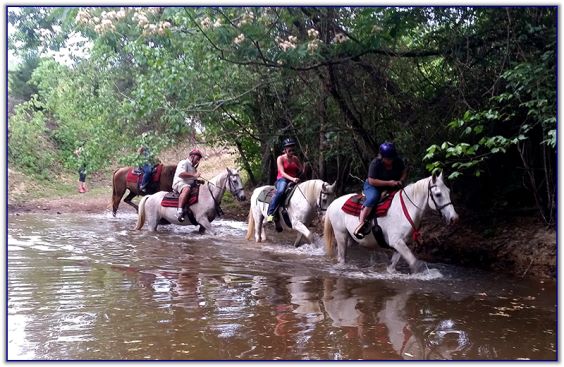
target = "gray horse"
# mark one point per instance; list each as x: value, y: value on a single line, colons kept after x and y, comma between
x: 205, y: 210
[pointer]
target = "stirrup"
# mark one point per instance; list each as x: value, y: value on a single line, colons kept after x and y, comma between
x: 362, y: 230
x: 180, y: 215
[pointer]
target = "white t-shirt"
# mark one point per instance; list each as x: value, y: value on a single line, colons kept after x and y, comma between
x: 183, y: 166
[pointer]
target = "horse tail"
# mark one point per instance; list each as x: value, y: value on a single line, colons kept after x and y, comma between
x: 141, y: 214
x: 329, y: 236
x: 251, y: 227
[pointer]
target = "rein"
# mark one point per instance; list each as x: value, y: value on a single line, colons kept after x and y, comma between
x: 416, y: 235
x: 317, y: 204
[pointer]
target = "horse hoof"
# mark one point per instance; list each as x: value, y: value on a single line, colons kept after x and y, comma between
x: 418, y: 267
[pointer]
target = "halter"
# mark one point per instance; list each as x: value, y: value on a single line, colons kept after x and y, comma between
x: 231, y: 189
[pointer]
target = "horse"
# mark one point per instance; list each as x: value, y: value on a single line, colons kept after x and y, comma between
x: 205, y: 209
x: 120, y: 185
x: 427, y: 193
x: 308, y: 196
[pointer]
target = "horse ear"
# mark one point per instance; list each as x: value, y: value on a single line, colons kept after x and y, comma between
x: 228, y: 170
x: 441, y: 176
x: 332, y: 187
x: 434, y: 177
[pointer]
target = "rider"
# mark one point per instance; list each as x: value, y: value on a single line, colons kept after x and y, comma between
x: 184, y: 178
x: 386, y: 171
x: 289, y: 168
x: 147, y: 165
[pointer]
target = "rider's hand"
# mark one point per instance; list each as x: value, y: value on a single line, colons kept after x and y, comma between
x: 296, y: 180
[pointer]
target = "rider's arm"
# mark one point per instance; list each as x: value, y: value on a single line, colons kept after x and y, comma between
x: 280, y: 164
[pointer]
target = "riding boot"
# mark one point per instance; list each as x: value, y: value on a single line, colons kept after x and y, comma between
x: 180, y: 214
x: 362, y: 228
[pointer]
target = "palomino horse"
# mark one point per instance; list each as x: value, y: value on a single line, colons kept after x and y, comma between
x: 428, y: 193
x: 120, y: 185
x: 205, y: 209
x: 308, y: 197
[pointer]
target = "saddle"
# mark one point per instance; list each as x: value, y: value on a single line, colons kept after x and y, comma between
x: 266, y: 197
x: 170, y: 200
x: 354, y: 204
x: 134, y: 174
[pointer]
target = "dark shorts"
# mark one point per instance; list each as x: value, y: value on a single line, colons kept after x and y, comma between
x: 82, y: 175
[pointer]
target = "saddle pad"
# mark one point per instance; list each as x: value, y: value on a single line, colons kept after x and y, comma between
x: 170, y: 200
x: 265, y: 196
x: 134, y: 174
x: 353, y: 205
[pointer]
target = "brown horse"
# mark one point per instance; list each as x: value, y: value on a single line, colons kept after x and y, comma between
x: 121, y: 184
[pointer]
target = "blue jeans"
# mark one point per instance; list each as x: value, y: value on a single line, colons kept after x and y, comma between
x: 280, y: 185
x: 147, y: 173
x: 372, y: 194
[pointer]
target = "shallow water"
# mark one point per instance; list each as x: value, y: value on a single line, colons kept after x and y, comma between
x: 90, y: 287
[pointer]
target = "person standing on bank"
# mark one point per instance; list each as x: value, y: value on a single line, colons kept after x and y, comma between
x: 184, y: 177
x: 79, y: 152
x: 386, y: 172
x: 289, y: 168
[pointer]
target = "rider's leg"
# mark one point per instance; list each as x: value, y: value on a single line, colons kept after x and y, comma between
x: 182, y: 201
x: 280, y: 185
x: 147, y: 174
x: 372, y: 197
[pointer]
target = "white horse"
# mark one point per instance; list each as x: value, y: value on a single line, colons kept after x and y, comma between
x: 428, y: 193
x: 205, y: 210
x: 310, y: 196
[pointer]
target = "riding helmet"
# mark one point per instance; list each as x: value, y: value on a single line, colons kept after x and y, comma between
x: 196, y: 151
x: 388, y: 150
x: 288, y: 142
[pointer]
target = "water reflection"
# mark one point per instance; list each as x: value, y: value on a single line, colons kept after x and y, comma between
x: 85, y: 289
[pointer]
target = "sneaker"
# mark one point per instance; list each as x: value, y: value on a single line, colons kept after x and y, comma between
x: 270, y: 219
x: 180, y: 215
x: 81, y: 190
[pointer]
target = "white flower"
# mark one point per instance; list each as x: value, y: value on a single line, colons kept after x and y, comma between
x: 376, y: 29
x: 239, y: 39
x: 312, y: 33
x: 206, y: 23
x: 217, y: 23
x: 340, y: 38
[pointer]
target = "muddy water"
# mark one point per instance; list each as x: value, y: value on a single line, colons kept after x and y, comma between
x: 90, y: 287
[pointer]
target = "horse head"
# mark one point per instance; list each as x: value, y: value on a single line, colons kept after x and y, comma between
x: 439, y: 196
x: 235, y: 185
x: 326, y: 195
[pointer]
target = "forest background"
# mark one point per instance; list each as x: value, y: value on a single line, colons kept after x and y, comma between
x: 468, y: 90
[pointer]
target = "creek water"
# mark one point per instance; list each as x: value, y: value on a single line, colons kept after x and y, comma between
x: 90, y: 287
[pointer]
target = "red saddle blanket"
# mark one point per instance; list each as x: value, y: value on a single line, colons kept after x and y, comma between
x: 353, y: 205
x: 170, y: 200
x: 135, y: 177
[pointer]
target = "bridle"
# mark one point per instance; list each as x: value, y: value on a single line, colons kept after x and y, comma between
x: 430, y: 197
x: 234, y: 191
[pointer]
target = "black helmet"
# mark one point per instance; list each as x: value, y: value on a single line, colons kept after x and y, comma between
x: 288, y: 142
x: 388, y: 150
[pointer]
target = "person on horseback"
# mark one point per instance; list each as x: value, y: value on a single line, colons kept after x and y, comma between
x: 289, y: 168
x: 386, y: 172
x: 184, y: 177
x: 147, y: 165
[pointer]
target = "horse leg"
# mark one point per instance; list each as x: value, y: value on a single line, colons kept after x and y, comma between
x: 302, y: 229
x: 116, y: 198
x: 395, y: 258
x: 260, y: 234
x: 342, y: 243
x: 297, y: 241
x: 205, y: 225
x: 414, y: 264
x: 128, y: 199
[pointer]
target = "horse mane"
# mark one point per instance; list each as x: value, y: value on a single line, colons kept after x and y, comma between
x: 311, y: 187
x: 419, y: 187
